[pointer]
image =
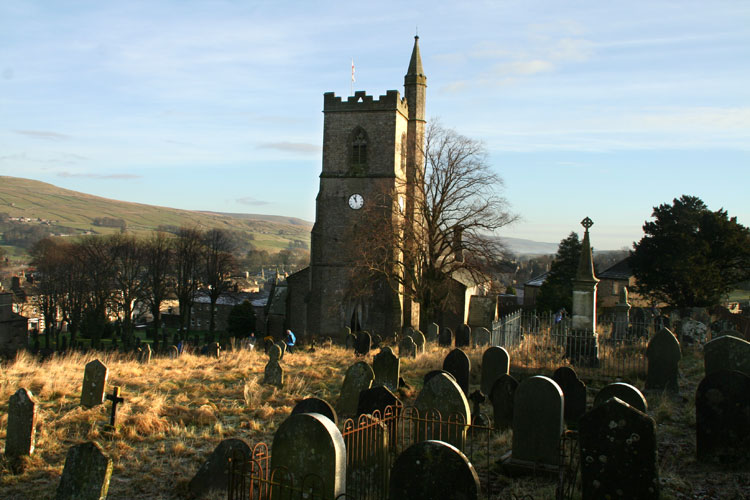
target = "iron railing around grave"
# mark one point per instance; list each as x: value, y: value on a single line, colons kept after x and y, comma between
x: 373, y: 442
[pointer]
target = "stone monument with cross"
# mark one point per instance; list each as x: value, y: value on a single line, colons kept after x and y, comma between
x: 583, y: 347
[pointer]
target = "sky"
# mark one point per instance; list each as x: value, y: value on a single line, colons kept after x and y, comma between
x: 586, y: 108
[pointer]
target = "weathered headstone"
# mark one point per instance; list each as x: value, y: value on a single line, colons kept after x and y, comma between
x: 722, y: 417
x: 463, y: 336
x: 214, y: 350
x: 174, y: 352
x: 495, y: 364
x: 433, y: 470
x: 358, y: 378
x: 213, y: 475
x: 442, y: 394
x: 387, y: 368
x: 693, y: 331
x: 502, y: 397
x: 310, y: 451
x: 420, y: 340
x: 618, y: 453
x: 537, y: 421
x: 574, y: 391
x: 407, y: 348
x: 433, y: 332
x: 445, y: 338
x: 94, y: 380
x: 282, y: 347
x: 363, y: 343
x: 727, y: 353
x: 351, y: 341
x: 432, y: 373
x: 625, y: 392
x: 663, y: 353
x: 316, y: 405
x: 377, y: 398
x: 458, y: 364
x: 144, y: 356
x: 377, y: 339
x: 274, y: 373
x: 21, y: 431
x: 86, y: 474
x: 482, y: 336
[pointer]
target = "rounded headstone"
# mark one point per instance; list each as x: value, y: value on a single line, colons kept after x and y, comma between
x: 727, y: 353
x: 445, y: 337
x: 458, y: 364
x: 663, y: 353
x: 463, y: 336
x: 442, y: 394
x: 495, y: 364
x: 358, y: 378
x: 722, y: 417
x: 502, y: 397
x: 537, y: 421
x: 316, y: 405
x: 377, y: 398
x: 387, y: 368
x: 432, y: 373
x: 363, y: 343
x: 213, y: 475
x: 625, y: 392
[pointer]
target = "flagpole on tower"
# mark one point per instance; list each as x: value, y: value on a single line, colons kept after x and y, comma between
x: 351, y: 84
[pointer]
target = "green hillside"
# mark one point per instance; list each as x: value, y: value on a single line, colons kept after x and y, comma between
x: 62, y: 211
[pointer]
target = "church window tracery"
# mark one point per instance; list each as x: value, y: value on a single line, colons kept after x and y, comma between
x: 359, y: 151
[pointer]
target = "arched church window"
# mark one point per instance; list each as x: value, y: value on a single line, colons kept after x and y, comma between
x: 359, y: 150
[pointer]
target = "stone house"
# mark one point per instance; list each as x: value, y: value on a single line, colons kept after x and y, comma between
x: 13, y: 327
x: 611, y: 282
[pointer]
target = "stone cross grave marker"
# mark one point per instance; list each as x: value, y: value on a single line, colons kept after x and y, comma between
x: 407, y: 348
x: 663, y: 353
x: 359, y: 377
x: 311, y: 453
x: 21, y: 430
x: 537, y: 421
x: 458, y: 364
x: 495, y: 364
x: 433, y: 332
x: 445, y: 338
x: 727, y: 353
x: 116, y: 399
x: 463, y: 336
x: 482, y: 337
x: 94, y: 379
x: 433, y: 470
x: 574, y: 391
x: 274, y: 373
x: 502, y: 396
x: 618, y: 453
x: 442, y: 394
x: 387, y: 368
x: 86, y: 473
x: 213, y: 475
x: 363, y: 344
x: 722, y: 417
x: 316, y: 405
x: 624, y: 392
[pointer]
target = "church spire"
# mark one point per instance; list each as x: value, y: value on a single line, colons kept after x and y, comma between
x: 415, y: 64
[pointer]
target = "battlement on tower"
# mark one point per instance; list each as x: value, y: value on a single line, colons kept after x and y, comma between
x: 360, y: 101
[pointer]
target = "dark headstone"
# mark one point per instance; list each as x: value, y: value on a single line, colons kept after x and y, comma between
x: 537, y: 421
x: 495, y: 364
x: 94, y: 380
x: 433, y: 470
x: 432, y: 373
x: 663, y: 353
x: 377, y: 398
x: 574, y: 391
x: 274, y: 373
x: 442, y: 394
x: 458, y: 364
x: 618, y: 453
x: 502, y: 396
x: 86, y: 474
x: 433, y: 332
x: 722, y: 417
x: 727, y: 353
x: 363, y: 343
x: 213, y: 475
x: 387, y: 368
x: 144, y: 356
x: 624, y: 392
x: 21, y: 430
x: 316, y: 405
x: 358, y: 378
x: 482, y: 336
x: 407, y: 348
x: 377, y: 339
x: 463, y: 336
x: 214, y: 350
x: 351, y: 341
x: 420, y: 340
x: 445, y: 337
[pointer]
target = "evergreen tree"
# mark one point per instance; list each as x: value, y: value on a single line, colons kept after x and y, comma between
x: 557, y: 290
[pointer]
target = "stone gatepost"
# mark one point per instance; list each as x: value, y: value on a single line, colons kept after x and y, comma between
x: 583, y: 346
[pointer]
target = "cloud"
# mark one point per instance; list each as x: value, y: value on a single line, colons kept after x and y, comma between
x: 98, y: 176
x: 290, y: 147
x: 43, y: 134
x: 247, y: 200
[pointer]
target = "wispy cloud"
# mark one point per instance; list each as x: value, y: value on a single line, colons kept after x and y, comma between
x: 43, y: 134
x: 86, y: 175
x: 248, y: 200
x: 290, y: 147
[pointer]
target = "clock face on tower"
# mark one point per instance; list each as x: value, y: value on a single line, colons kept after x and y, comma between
x: 356, y: 201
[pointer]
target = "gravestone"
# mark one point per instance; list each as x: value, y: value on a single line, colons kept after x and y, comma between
x: 377, y: 339
x: 407, y: 348
x: 387, y: 368
x: 310, y: 452
x: 727, y: 353
x: 282, y: 347
x: 274, y: 373
x: 502, y: 397
x: 722, y: 418
x: 359, y: 377
x: 214, y: 350
x: 419, y: 339
x: 351, y: 341
x: 693, y: 331
x: 21, y: 430
x: 445, y: 338
x: 144, y: 356
x: 663, y: 353
x: 433, y: 332
x: 363, y: 343
x: 316, y: 405
x: 537, y: 421
x: 213, y: 475
x: 618, y: 453
x: 377, y: 398
x: 86, y: 474
x: 463, y: 336
x: 94, y: 379
x: 442, y: 394
x: 624, y: 392
x: 733, y: 333
x: 174, y: 353
x: 482, y: 337
x: 574, y: 391
x: 432, y: 373
x: 457, y: 363
x: 495, y: 364
x: 433, y: 470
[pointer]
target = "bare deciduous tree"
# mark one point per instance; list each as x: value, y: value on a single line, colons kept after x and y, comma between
x: 158, y: 258
x: 218, y: 264
x: 187, y: 266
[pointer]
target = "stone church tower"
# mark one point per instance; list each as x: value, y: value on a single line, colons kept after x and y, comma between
x: 370, y: 147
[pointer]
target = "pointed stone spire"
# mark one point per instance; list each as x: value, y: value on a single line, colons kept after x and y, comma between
x: 415, y: 64
x: 586, y: 263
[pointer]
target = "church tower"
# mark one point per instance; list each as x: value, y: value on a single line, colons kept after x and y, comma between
x: 370, y: 147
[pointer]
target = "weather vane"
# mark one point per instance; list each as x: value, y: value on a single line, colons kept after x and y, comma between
x: 587, y: 223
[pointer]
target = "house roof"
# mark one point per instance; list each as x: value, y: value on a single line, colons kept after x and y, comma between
x: 537, y: 280
x: 619, y: 271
